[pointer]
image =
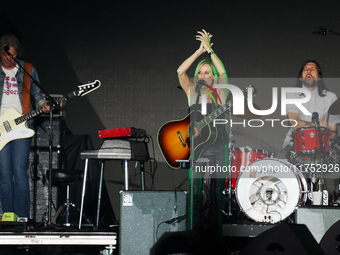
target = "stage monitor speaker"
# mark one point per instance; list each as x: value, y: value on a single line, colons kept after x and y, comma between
x: 330, y: 242
x: 284, y: 239
x: 146, y: 215
x: 317, y: 219
x: 198, y: 242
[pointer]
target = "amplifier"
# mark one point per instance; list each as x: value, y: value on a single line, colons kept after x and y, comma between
x: 318, y: 219
x: 39, y: 164
x: 146, y: 215
x: 57, y: 111
x: 42, y: 132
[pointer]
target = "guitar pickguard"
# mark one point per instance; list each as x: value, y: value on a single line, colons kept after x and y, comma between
x: 18, y: 133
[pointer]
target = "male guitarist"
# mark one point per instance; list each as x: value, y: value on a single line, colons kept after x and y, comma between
x: 211, y: 71
x: 21, y: 93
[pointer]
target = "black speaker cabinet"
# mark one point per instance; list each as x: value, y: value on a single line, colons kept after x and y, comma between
x: 146, y: 215
x: 193, y: 242
x: 330, y: 242
x: 317, y: 219
x: 292, y: 239
x: 39, y: 164
x: 42, y: 133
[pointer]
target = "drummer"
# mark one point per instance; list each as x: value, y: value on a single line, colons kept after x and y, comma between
x: 310, y: 77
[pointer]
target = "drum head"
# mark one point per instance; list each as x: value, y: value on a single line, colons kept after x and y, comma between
x: 269, y: 189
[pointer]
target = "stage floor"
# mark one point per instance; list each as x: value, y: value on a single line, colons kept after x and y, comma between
x: 56, y: 239
x: 89, y: 241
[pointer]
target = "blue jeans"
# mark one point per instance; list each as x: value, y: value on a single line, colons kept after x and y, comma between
x: 14, y: 183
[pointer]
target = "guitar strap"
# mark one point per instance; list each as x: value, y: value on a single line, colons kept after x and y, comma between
x: 215, y: 92
x: 26, y: 89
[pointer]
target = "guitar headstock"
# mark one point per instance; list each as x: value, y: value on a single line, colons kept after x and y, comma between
x: 245, y: 91
x: 253, y: 89
x: 88, y: 87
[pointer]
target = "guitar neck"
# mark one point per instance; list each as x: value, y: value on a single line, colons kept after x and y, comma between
x: 28, y: 116
x: 205, y: 121
x: 39, y: 110
x: 83, y: 90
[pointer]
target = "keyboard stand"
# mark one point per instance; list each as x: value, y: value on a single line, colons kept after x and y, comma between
x: 113, y: 149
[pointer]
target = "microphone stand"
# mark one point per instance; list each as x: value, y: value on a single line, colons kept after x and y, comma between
x: 52, y: 104
x: 320, y: 149
x: 325, y: 31
x: 192, y: 153
x: 230, y: 154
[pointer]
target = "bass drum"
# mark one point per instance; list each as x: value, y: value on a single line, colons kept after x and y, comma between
x: 242, y: 157
x: 269, y: 189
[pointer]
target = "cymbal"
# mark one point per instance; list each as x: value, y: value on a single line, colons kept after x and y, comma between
x: 335, y: 108
x: 247, y: 113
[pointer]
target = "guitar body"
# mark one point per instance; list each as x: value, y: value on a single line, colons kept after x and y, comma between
x: 16, y: 131
x: 13, y: 124
x: 174, y: 140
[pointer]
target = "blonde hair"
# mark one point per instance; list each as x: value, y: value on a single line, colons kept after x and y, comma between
x: 213, y: 69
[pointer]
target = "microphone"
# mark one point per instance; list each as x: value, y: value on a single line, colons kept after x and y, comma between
x: 180, y: 218
x: 315, y: 118
x: 6, y: 51
x: 200, y: 84
x: 269, y: 193
x: 321, y: 31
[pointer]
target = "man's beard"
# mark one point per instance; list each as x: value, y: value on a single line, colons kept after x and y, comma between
x: 310, y: 83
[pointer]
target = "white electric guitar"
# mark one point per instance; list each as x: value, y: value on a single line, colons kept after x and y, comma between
x: 13, y: 125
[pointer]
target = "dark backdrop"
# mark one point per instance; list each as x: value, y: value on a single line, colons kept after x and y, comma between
x: 135, y: 47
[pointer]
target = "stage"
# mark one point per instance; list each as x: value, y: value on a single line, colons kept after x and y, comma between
x: 314, y: 228
x: 60, y: 239
x: 64, y: 240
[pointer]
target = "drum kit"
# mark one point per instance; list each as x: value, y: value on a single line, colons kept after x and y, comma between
x: 266, y: 189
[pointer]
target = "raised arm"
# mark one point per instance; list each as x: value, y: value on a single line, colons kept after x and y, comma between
x: 184, y: 79
x: 205, y: 46
x: 204, y: 37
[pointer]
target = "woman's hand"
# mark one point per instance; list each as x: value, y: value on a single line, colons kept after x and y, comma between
x: 204, y: 37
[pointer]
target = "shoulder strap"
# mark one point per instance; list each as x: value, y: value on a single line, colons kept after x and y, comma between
x: 26, y: 89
